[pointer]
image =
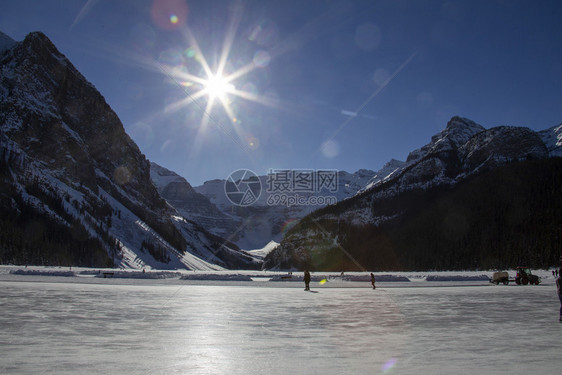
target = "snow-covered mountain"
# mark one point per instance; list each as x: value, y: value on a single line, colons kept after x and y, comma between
x: 461, y: 149
x: 460, y: 152
x: 253, y: 226
x: 75, y: 189
x: 348, y: 184
x: 386, y: 172
x: 189, y: 203
x: 268, y: 219
x: 70, y: 174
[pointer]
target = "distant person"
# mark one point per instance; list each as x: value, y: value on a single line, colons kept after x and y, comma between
x: 306, y: 280
x: 559, y: 291
x: 373, y: 281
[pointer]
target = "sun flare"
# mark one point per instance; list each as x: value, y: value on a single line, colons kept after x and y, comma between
x: 217, y: 86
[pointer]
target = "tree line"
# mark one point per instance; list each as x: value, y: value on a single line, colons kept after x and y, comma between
x: 29, y: 235
x: 498, y: 219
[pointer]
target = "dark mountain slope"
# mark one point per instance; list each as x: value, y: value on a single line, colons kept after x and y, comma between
x: 500, y: 218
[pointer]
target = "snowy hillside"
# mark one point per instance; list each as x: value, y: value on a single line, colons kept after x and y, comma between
x: 390, y: 169
x: 76, y: 188
x: 552, y: 138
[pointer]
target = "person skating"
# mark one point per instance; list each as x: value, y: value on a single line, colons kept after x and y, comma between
x: 373, y: 281
x: 306, y: 280
x: 559, y: 291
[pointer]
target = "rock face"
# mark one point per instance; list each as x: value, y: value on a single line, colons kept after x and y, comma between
x: 552, y: 138
x: 501, y: 145
x: 68, y: 161
x: 189, y: 203
x: 461, y: 151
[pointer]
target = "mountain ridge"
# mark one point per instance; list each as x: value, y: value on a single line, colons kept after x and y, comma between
x: 67, y: 158
x: 455, y: 155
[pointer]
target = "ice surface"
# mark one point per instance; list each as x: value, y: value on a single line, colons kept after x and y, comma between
x: 103, y: 328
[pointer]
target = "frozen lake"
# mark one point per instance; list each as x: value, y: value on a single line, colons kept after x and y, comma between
x: 63, y: 328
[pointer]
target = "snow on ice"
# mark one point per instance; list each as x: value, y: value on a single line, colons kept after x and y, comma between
x: 170, y: 324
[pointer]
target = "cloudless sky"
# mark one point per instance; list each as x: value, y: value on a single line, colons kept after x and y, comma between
x: 314, y: 84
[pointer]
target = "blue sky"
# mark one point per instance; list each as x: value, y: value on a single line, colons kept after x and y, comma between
x: 314, y: 84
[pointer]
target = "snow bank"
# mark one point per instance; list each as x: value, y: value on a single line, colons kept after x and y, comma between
x: 43, y: 273
x: 137, y: 275
x: 457, y: 278
x: 257, y: 278
x: 379, y: 278
x: 217, y: 277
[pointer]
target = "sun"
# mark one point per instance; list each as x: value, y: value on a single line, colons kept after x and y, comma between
x: 217, y: 87
x: 215, y: 83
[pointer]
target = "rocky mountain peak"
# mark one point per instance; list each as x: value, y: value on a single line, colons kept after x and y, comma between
x: 161, y: 177
x: 67, y: 159
x: 457, y: 122
x: 40, y: 43
x: 458, y: 131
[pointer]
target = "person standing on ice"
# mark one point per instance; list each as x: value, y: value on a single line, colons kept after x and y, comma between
x: 559, y: 290
x: 373, y: 281
x: 306, y: 280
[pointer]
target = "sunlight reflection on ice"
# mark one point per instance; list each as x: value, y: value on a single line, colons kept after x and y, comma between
x: 69, y: 328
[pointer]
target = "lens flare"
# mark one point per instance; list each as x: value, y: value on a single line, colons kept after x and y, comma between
x: 388, y: 365
x: 171, y: 57
x: 169, y: 14
x: 288, y: 225
x: 253, y: 142
x: 261, y: 59
x: 189, y: 53
x: 330, y: 149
